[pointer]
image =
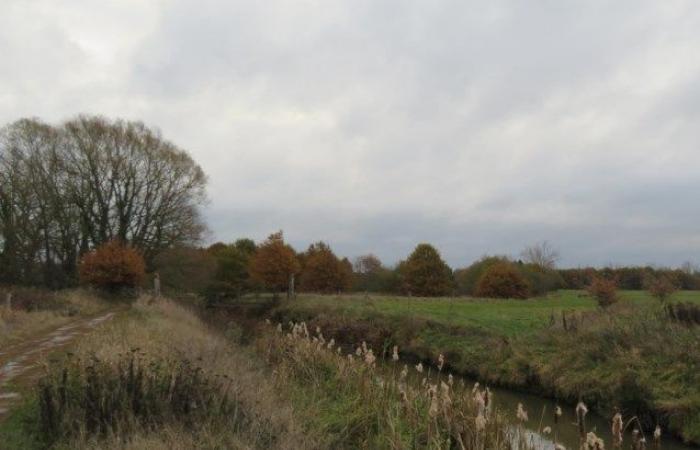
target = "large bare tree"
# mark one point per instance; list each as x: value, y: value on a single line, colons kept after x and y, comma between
x: 67, y: 189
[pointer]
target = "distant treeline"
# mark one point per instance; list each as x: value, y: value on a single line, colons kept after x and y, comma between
x: 633, y: 278
x: 227, y: 271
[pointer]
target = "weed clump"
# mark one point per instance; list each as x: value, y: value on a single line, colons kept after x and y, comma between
x: 100, y: 398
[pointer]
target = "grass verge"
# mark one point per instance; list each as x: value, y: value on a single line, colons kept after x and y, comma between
x: 631, y: 356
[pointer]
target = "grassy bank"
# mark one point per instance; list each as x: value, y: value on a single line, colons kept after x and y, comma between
x: 632, y: 356
x: 158, y: 377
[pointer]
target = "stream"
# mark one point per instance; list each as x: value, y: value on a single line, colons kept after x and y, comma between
x: 507, y: 401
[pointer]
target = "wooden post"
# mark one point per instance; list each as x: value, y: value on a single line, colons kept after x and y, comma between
x: 8, y: 301
x: 156, y: 285
x: 290, y: 290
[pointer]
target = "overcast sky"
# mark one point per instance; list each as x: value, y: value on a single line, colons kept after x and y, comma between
x: 374, y: 125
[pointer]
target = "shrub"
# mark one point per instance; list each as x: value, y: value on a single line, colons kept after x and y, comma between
x: 660, y: 287
x: 604, y: 290
x: 112, y: 267
x: 502, y: 280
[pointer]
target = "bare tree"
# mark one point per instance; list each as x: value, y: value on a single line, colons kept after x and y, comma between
x: 541, y: 254
x: 67, y: 189
x: 367, y: 264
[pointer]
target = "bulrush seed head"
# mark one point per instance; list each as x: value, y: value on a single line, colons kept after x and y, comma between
x: 370, y: 358
x: 521, y: 414
x: 581, y: 409
x: 593, y: 442
x: 480, y: 423
x: 617, y: 427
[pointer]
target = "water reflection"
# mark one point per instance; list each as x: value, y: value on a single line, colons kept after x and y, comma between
x: 541, y: 415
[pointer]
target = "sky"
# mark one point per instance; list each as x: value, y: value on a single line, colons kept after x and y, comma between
x: 374, y: 125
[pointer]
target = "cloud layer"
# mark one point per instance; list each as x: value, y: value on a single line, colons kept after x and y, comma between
x: 376, y: 124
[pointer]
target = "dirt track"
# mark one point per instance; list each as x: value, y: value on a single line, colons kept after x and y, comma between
x: 20, y: 364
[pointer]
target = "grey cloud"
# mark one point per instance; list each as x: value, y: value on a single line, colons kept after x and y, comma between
x: 375, y: 125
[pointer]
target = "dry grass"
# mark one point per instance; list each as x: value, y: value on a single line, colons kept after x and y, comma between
x: 166, y: 331
x: 18, y: 324
x: 388, y: 406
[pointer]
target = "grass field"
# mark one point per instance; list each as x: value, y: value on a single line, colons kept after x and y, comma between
x: 631, y: 355
x: 506, y: 317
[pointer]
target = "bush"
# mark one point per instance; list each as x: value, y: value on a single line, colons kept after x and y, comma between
x: 503, y: 280
x: 604, y: 290
x: 112, y: 267
x: 98, y: 398
x: 686, y: 313
x: 660, y: 287
x: 468, y: 278
x: 541, y: 280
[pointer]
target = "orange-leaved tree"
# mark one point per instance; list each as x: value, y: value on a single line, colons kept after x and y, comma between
x: 112, y: 266
x: 322, y: 271
x: 424, y: 273
x: 273, y: 263
x: 502, y: 280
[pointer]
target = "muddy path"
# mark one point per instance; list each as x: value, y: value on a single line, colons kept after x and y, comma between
x: 21, y: 363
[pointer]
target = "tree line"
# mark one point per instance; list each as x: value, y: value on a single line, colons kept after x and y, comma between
x: 69, y: 188
x: 90, y: 182
x: 226, y: 271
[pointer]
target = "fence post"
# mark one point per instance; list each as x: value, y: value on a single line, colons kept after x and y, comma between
x: 8, y: 301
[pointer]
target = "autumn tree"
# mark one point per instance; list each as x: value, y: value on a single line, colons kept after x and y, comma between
x: 322, y: 271
x: 424, y: 273
x: 273, y: 263
x: 112, y: 267
x: 502, y: 280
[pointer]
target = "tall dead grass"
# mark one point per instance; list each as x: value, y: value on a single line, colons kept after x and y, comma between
x: 163, y: 333
x: 383, y: 406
